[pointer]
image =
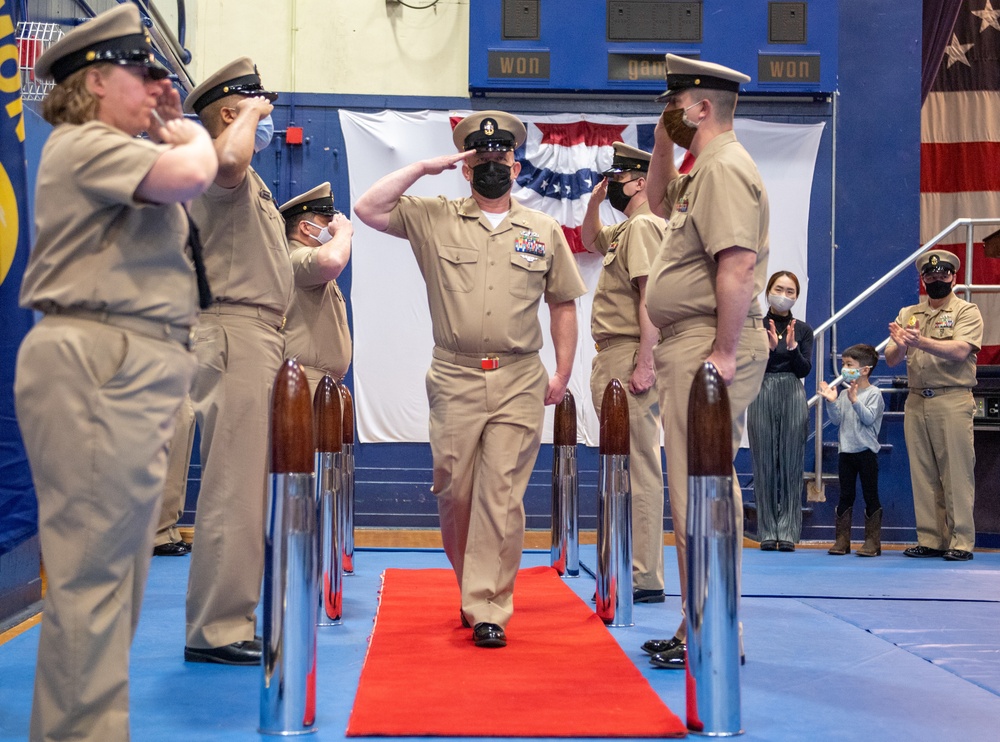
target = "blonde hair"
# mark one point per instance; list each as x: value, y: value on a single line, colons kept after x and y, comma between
x: 71, y: 102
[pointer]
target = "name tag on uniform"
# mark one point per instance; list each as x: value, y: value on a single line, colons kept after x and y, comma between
x: 528, y: 242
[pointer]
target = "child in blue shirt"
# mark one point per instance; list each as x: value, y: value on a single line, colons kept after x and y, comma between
x: 858, y: 411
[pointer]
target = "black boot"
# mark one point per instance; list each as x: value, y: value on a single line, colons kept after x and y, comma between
x: 873, y: 535
x: 842, y: 540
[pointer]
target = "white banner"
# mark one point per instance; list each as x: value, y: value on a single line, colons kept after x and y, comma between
x: 561, y: 161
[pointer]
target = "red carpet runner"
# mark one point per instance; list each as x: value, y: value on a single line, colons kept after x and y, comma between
x: 561, y: 674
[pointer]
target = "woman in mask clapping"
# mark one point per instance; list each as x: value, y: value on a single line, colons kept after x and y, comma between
x: 777, y: 418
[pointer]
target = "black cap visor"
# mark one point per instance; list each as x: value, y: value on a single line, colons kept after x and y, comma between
x: 125, y: 50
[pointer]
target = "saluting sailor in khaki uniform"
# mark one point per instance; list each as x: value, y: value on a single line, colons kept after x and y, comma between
x: 625, y: 338
x: 319, y: 239
x: 487, y: 262
x: 705, y: 279
x: 939, y: 338
x: 240, y: 348
x: 102, y: 375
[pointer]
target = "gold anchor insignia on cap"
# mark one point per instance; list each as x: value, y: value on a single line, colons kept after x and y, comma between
x: 488, y: 127
x: 934, y: 260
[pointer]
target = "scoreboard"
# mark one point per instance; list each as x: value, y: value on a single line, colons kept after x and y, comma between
x: 617, y: 46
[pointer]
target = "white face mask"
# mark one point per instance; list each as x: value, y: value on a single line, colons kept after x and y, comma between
x: 324, y: 235
x: 265, y: 132
x: 779, y: 302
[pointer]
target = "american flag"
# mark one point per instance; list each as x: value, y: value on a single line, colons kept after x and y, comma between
x: 960, y: 151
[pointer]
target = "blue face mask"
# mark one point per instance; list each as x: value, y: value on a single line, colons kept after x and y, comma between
x: 265, y: 132
x: 851, y: 374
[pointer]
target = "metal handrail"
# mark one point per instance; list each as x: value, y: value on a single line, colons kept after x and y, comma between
x: 815, y: 481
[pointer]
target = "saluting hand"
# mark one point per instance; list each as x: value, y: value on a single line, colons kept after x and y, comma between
x: 772, y: 335
x: 168, y: 108
x: 437, y: 165
x: 600, y: 191
x: 341, y: 224
x: 258, y: 104
x: 661, y: 139
x: 790, y: 336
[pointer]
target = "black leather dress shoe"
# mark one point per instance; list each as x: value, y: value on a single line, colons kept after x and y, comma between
x: 465, y: 621
x: 237, y: 653
x: 786, y: 546
x: 957, y: 555
x: 647, y: 596
x: 670, y: 659
x: 173, y: 548
x: 489, y: 635
x: 658, y: 646
x: 923, y: 552
x: 674, y: 658
x: 768, y: 545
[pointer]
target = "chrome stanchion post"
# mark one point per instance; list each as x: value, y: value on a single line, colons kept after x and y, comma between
x: 713, y: 651
x: 288, y: 687
x: 347, y: 487
x: 614, y: 511
x: 565, y: 556
x: 328, y: 430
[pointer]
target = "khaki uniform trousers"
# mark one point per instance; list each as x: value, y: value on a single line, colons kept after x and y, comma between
x: 314, y: 376
x: 178, y: 463
x: 238, y: 359
x: 940, y: 444
x: 485, y: 429
x: 678, y: 358
x: 645, y: 466
x: 96, y: 406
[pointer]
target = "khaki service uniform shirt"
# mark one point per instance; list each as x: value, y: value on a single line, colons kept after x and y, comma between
x: 627, y: 248
x: 316, y: 332
x: 484, y: 284
x: 957, y: 319
x: 246, y: 253
x: 720, y: 203
x: 97, y: 248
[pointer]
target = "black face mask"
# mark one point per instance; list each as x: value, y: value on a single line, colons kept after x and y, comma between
x: 938, y: 289
x: 491, y: 179
x: 617, y: 197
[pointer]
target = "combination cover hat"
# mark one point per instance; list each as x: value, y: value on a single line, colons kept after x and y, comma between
x: 116, y: 36
x: 318, y: 200
x: 684, y: 73
x: 239, y: 77
x: 489, y: 131
x: 627, y: 159
x: 935, y: 260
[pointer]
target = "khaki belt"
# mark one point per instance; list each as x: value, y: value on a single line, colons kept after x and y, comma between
x: 484, y: 361
x: 619, y: 340
x: 938, y: 391
x: 683, y: 325
x: 272, y: 317
x: 133, y: 323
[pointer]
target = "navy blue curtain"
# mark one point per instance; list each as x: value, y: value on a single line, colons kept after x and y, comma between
x: 939, y: 22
